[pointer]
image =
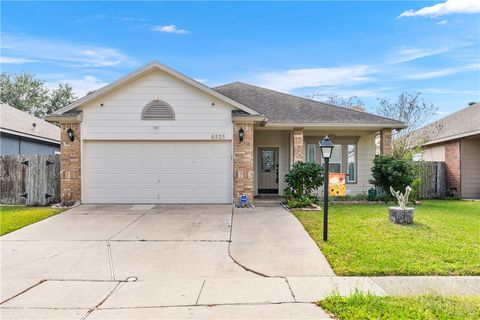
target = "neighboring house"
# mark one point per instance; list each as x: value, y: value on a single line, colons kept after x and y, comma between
x: 156, y: 135
x: 22, y: 133
x: 455, y: 139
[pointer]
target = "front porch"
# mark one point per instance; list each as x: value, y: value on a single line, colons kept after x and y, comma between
x: 275, y: 151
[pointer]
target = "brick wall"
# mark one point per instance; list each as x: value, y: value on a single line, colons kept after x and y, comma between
x: 386, y: 142
x: 243, y: 161
x: 70, y: 174
x: 298, y: 149
x: 452, y: 169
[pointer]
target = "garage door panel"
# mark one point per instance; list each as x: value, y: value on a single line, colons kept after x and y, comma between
x: 156, y: 172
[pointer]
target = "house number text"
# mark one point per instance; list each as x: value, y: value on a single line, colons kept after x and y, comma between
x: 218, y: 136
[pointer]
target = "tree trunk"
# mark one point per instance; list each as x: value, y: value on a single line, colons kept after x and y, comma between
x: 401, y: 216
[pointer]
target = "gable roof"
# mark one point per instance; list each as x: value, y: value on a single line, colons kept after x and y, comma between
x: 16, y: 122
x: 137, y: 73
x: 463, y: 123
x: 282, y: 108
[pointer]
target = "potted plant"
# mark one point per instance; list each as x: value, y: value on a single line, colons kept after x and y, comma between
x: 401, y: 214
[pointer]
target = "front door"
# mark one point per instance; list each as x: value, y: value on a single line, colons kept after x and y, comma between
x: 268, y: 170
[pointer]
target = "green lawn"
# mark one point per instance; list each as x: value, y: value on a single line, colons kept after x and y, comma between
x: 361, y: 306
x: 16, y: 217
x: 444, y: 239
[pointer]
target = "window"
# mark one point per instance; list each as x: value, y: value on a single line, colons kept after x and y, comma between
x: 352, y: 160
x: 336, y: 159
x: 311, y: 152
x: 158, y: 110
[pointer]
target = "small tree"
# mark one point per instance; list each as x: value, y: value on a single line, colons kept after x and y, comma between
x: 411, y: 108
x: 27, y: 93
x: 303, y: 179
x: 389, y: 171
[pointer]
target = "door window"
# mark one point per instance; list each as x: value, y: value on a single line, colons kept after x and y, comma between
x: 268, y: 160
x: 311, y: 152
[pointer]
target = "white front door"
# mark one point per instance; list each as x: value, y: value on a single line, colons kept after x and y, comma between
x: 157, y: 172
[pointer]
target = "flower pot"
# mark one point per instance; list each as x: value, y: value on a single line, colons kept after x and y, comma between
x: 401, y: 216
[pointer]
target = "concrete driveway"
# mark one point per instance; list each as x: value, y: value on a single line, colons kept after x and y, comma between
x: 159, y: 261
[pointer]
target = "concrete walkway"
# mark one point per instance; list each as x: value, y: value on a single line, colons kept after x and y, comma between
x: 178, y: 262
x: 272, y: 242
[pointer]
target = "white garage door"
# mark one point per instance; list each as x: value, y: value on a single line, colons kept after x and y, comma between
x: 157, y: 172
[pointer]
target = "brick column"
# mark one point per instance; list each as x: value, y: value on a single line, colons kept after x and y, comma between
x: 298, y: 153
x: 70, y: 177
x: 452, y: 169
x: 386, y: 142
x: 243, y: 161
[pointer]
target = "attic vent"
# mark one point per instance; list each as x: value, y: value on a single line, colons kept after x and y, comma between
x: 158, y: 110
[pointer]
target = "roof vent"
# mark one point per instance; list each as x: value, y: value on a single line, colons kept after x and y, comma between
x: 471, y: 103
x: 158, y: 110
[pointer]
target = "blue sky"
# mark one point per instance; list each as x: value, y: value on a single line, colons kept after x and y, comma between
x: 369, y: 49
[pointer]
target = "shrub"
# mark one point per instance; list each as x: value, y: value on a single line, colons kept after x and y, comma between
x: 301, y: 181
x: 388, y: 171
x: 301, y: 202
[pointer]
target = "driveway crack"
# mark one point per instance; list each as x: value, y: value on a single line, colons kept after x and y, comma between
x: 230, y: 254
x: 110, y: 260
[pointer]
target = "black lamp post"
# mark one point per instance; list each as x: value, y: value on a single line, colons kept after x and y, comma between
x: 326, y: 147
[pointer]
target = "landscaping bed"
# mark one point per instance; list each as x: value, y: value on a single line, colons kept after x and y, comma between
x: 443, y: 240
x: 16, y: 217
x: 364, y: 306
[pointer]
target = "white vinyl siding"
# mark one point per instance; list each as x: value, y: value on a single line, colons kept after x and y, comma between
x: 120, y: 117
x: 157, y: 172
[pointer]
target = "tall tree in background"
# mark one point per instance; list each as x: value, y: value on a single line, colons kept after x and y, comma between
x: 352, y: 102
x: 411, y: 108
x: 26, y: 92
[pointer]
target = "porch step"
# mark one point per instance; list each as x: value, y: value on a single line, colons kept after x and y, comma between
x: 268, y: 200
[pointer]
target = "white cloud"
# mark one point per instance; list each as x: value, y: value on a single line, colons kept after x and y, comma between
x: 62, y: 52
x: 80, y: 86
x: 300, y: 78
x: 445, y: 8
x: 15, y: 60
x: 409, y: 54
x: 449, y: 91
x: 443, y: 22
x: 169, y: 29
x: 442, y: 113
x: 443, y: 72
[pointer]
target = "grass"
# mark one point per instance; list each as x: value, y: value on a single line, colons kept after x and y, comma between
x: 444, y: 239
x: 16, y: 217
x: 364, y: 306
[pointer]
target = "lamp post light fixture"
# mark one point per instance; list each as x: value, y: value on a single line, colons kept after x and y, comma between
x: 71, y: 135
x: 326, y: 147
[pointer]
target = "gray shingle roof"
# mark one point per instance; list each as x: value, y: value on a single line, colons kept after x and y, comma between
x: 17, y: 122
x: 462, y: 123
x: 285, y: 108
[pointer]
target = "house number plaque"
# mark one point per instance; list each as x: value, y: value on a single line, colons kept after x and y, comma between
x: 218, y: 136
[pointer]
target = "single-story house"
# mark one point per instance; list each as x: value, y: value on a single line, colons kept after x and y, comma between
x: 158, y: 136
x: 22, y: 133
x: 455, y: 139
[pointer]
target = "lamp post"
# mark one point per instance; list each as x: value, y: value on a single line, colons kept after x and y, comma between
x: 326, y: 147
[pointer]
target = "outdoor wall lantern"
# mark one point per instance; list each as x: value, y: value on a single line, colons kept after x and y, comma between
x: 70, y: 134
x: 326, y: 147
x: 241, y: 134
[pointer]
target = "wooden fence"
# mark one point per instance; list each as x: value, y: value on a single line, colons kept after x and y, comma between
x: 30, y: 179
x: 432, y: 183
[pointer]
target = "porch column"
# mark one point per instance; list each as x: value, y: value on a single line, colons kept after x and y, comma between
x: 386, y: 141
x: 70, y: 163
x: 298, y: 145
x: 242, y: 161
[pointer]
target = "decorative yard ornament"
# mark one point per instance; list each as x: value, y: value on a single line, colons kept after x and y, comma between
x: 401, y: 214
x: 402, y: 199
